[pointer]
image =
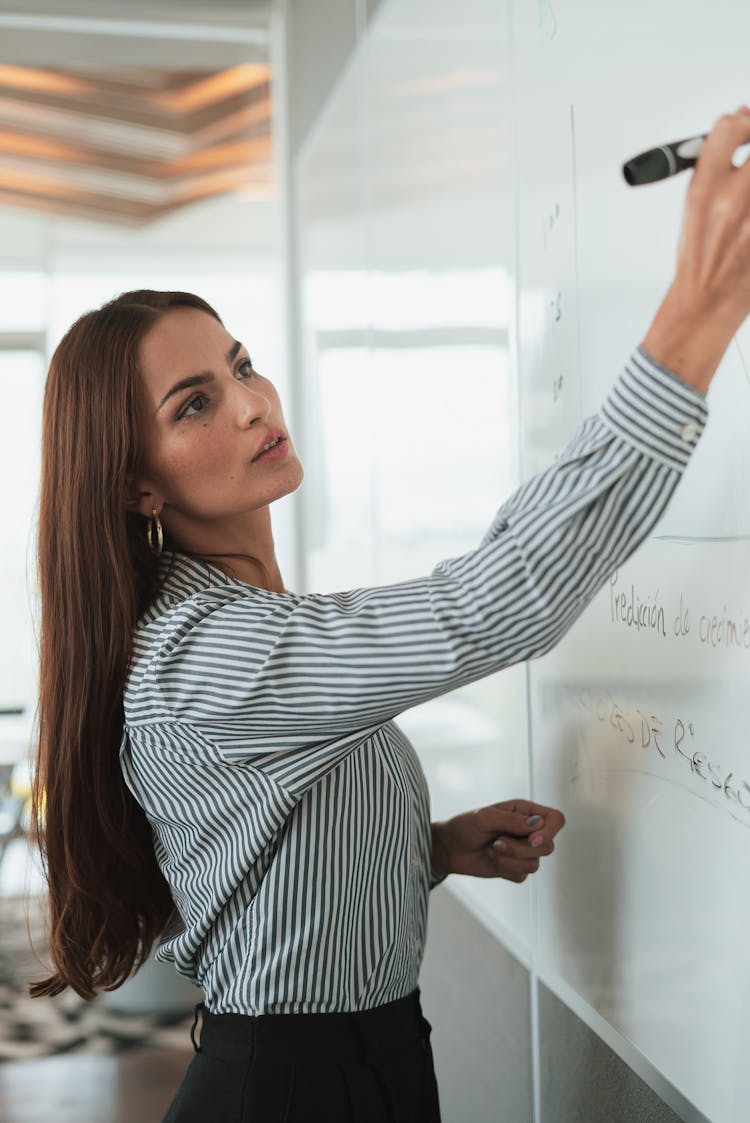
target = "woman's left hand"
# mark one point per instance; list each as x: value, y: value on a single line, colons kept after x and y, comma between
x: 501, y: 840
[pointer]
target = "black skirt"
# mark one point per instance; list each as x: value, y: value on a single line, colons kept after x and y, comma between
x: 371, y: 1066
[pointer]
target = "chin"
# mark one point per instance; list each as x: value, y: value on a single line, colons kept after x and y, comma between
x: 292, y: 480
x: 299, y: 477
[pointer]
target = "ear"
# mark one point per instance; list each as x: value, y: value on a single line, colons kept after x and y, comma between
x: 142, y: 497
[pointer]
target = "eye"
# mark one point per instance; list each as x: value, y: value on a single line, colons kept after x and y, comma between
x: 245, y: 369
x: 191, y: 408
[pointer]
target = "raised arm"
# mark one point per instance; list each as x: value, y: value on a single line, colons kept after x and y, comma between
x: 266, y: 673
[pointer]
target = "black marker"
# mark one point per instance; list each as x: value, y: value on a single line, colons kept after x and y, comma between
x: 662, y: 162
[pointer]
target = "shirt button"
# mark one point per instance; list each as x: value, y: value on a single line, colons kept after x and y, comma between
x: 689, y: 432
x: 415, y: 863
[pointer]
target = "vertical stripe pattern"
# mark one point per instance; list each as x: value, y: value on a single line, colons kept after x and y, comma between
x: 290, y: 814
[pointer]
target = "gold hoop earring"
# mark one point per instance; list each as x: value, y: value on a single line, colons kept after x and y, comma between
x: 154, y: 527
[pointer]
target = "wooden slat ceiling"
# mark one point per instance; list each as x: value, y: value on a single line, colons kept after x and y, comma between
x: 133, y: 144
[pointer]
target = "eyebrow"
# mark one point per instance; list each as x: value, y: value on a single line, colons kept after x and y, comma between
x: 201, y: 378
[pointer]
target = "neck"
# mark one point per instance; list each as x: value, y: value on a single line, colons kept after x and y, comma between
x: 249, y: 568
x: 245, y: 551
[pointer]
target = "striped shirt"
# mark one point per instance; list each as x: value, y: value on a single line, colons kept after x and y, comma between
x: 290, y: 814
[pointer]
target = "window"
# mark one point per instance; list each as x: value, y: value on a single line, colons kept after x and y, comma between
x: 21, y: 387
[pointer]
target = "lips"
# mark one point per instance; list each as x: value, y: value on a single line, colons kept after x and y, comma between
x: 273, y: 441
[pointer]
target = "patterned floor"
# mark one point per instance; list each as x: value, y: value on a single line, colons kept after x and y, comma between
x: 66, y: 1024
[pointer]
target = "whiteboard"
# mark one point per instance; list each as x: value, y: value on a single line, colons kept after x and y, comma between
x: 639, y: 718
x: 460, y: 207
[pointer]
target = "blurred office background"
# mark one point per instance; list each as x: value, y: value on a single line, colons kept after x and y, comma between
x: 334, y: 176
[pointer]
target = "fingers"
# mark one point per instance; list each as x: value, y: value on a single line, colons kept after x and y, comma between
x: 553, y: 820
x: 516, y: 816
x: 522, y: 819
x: 519, y: 833
x: 512, y: 869
x: 535, y: 847
x: 728, y: 134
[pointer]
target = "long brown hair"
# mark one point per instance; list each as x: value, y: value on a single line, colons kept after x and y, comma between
x: 108, y: 900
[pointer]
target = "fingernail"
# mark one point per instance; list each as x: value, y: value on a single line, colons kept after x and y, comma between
x: 532, y: 822
x: 536, y: 839
x: 499, y: 844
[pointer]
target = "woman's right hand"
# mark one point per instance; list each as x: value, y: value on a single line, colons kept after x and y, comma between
x: 710, y: 296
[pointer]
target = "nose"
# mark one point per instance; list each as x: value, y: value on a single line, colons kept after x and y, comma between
x: 252, y: 406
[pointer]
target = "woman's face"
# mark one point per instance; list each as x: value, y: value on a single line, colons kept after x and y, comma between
x: 208, y: 418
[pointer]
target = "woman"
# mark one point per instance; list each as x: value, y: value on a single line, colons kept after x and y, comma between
x: 285, y: 855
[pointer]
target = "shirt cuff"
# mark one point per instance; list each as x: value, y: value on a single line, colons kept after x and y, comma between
x: 655, y: 411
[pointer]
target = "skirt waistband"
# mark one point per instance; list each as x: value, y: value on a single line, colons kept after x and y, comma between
x: 300, y: 1038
